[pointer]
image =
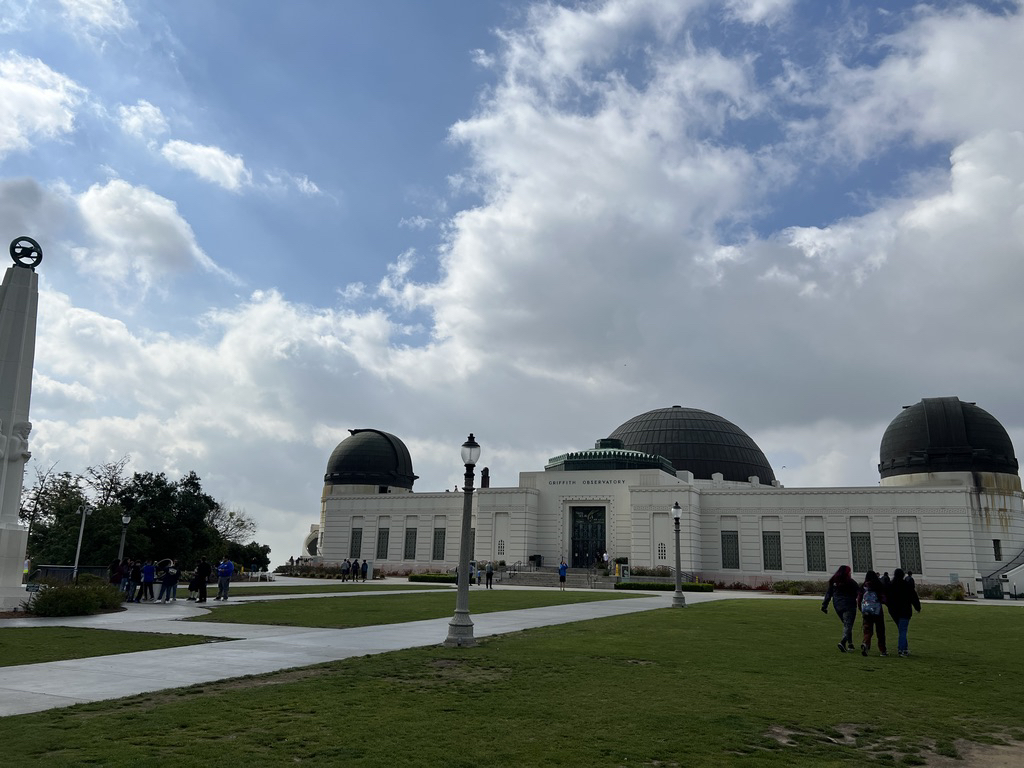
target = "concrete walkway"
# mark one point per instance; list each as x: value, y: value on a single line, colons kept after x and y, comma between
x: 257, y: 649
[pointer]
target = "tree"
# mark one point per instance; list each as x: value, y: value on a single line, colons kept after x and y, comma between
x: 231, y: 523
x: 168, y: 518
x: 252, y: 556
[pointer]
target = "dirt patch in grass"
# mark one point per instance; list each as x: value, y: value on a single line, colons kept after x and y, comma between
x: 958, y: 754
x: 974, y: 755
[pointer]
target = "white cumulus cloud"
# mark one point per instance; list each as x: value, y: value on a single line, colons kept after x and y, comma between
x: 211, y: 164
x: 35, y: 102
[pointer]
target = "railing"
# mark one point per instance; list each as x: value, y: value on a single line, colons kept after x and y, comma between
x: 513, y: 569
x: 1018, y: 560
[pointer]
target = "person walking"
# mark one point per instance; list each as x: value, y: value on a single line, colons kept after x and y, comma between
x: 203, y: 571
x: 489, y: 570
x: 842, y: 591
x: 902, y: 601
x: 363, y: 569
x: 224, y: 571
x: 562, y: 570
x: 346, y: 567
x: 870, y: 600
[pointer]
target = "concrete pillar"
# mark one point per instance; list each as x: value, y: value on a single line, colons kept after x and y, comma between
x: 19, y: 299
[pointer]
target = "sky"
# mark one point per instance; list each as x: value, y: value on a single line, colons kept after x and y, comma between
x: 267, y: 223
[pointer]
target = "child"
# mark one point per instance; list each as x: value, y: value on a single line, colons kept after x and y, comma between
x: 870, y: 600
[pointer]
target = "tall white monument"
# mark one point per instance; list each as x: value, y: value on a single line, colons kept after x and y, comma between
x: 19, y: 300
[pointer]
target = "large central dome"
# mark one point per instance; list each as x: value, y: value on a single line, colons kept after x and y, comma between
x: 698, y: 442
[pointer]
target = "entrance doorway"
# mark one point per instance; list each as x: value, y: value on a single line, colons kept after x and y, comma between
x: 588, y: 545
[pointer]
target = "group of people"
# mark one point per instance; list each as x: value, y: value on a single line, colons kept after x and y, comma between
x: 136, y: 579
x: 353, y: 570
x: 482, y: 570
x: 898, y: 595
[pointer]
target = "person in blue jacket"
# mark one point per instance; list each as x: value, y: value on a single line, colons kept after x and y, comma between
x: 562, y: 570
x: 224, y: 571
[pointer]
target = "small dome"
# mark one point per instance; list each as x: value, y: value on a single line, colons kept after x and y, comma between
x: 608, y: 454
x: 945, y: 434
x: 696, y: 441
x: 370, y: 457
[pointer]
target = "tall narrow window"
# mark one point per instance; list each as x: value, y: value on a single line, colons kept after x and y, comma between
x: 438, y: 553
x: 662, y: 552
x: 383, y: 535
x: 860, y: 547
x: 731, y: 549
x: 910, y: 552
x: 501, y: 547
x: 410, y: 544
x: 356, y: 546
x: 997, y: 549
x: 772, y: 544
x: 816, y: 551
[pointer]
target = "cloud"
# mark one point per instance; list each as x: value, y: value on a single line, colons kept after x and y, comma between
x: 142, y: 120
x: 135, y: 237
x: 208, y: 163
x: 95, y: 17
x: 945, y: 77
x: 35, y: 103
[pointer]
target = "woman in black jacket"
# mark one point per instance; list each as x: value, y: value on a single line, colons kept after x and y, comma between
x: 842, y: 591
x: 902, y: 602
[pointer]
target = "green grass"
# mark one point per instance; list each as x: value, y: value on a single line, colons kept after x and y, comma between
x: 391, y: 609
x: 752, y: 683
x: 35, y: 645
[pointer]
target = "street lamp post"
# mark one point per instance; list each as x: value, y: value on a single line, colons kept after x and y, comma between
x: 678, y: 600
x: 460, y: 628
x: 83, y: 511
x: 125, y: 519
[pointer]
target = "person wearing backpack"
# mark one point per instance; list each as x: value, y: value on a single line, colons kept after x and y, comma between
x: 902, y: 601
x: 870, y: 600
x: 842, y: 591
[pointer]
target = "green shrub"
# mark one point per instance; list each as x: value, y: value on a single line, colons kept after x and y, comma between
x: 75, y: 600
x: 650, y: 585
x: 941, y: 591
x: 434, y: 578
x: 662, y: 571
x: 793, y: 587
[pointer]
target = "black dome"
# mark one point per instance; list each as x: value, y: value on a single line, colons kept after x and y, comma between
x: 698, y: 442
x: 370, y: 457
x: 945, y: 434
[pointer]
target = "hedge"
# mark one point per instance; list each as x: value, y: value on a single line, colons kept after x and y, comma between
x: 74, y: 600
x: 435, y: 578
x: 651, y: 585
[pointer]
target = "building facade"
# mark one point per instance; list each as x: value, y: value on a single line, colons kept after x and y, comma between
x: 948, y: 507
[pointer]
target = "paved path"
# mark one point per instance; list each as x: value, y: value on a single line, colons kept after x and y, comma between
x: 258, y: 649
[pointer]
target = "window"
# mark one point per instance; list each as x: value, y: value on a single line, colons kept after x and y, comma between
x: 501, y: 547
x: 860, y: 547
x: 816, y: 551
x: 910, y: 552
x: 731, y: 549
x: 438, y: 544
x: 772, y: 544
x: 356, y: 547
x: 410, y: 544
x: 997, y: 550
x: 383, y: 535
x: 662, y: 552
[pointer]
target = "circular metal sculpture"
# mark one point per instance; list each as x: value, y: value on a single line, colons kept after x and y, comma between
x: 26, y: 252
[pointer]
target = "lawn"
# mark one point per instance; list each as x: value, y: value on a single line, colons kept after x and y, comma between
x: 35, y: 645
x: 342, y: 613
x: 735, y: 683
